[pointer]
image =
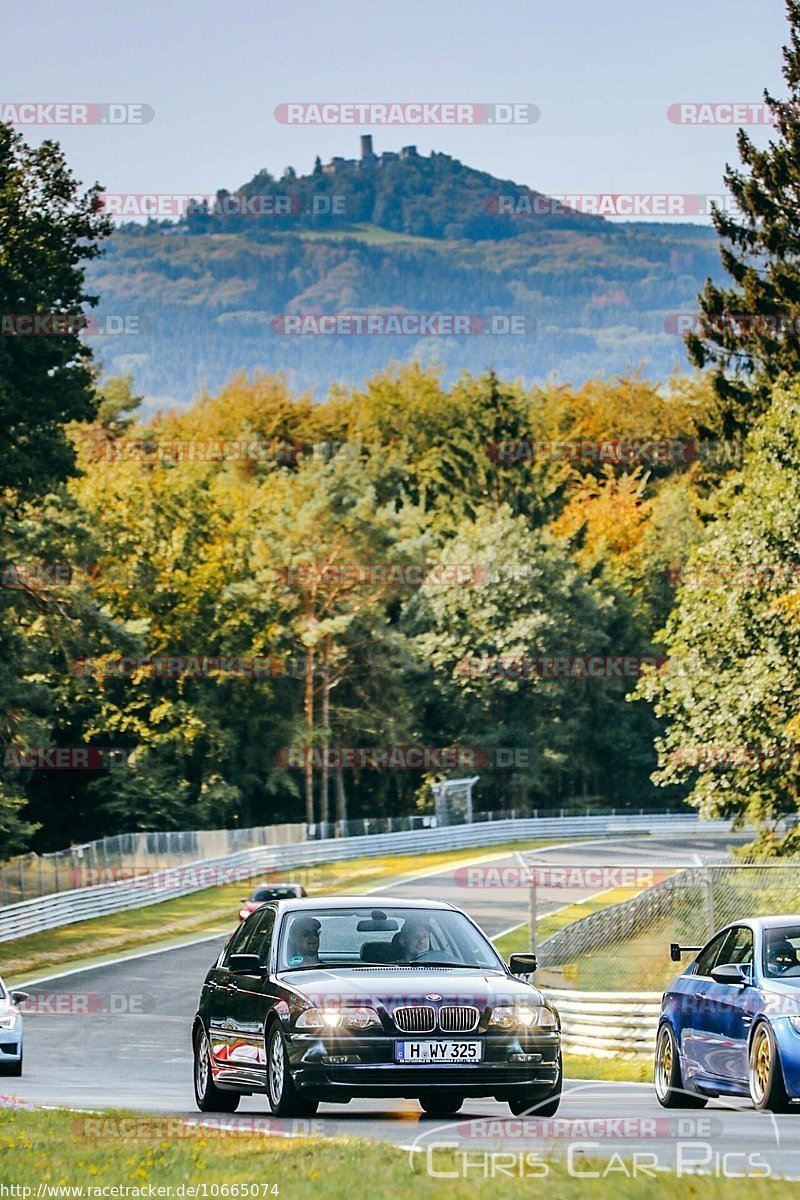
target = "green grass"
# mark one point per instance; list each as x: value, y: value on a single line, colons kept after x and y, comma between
x: 639, y: 964
x: 620, y: 1070
x: 210, y: 911
x: 52, y: 1148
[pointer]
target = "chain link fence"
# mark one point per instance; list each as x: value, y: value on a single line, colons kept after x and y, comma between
x: 625, y: 947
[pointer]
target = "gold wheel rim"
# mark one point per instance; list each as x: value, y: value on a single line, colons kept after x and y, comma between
x: 762, y: 1063
x: 664, y: 1071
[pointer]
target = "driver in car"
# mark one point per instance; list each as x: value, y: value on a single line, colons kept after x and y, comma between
x: 781, y: 955
x: 303, y: 942
x: 412, y: 941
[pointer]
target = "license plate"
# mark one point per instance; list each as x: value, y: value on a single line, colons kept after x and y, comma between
x: 438, y: 1052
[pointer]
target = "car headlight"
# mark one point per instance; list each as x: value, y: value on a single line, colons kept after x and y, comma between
x: 243, y: 912
x: 355, y: 1017
x: 795, y: 1023
x: 522, y: 1016
x: 8, y: 1022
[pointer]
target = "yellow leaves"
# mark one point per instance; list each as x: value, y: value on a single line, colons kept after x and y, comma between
x: 789, y: 606
x: 607, y: 516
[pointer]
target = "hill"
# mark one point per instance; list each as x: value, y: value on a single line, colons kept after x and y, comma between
x: 403, y: 234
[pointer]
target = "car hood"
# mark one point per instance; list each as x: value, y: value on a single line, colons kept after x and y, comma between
x: 377, y: 986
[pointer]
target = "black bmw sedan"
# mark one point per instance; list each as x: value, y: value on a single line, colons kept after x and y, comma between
x: 326, y: 1000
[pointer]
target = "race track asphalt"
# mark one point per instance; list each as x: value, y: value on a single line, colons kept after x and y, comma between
x: 122, y: 1041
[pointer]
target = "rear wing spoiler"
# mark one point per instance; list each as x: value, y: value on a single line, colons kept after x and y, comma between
x: 675, y: 951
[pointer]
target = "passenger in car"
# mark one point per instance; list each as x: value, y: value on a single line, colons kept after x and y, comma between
x: 781, y: 955
x: 303, y: 941
x: 413, y: 940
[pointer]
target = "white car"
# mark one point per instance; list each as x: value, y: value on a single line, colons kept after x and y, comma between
x: 10, y: 1031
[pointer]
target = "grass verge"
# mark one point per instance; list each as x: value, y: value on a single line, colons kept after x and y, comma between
x: 49, y: 1148
x: 210, y: 911
x: 616, y: 1070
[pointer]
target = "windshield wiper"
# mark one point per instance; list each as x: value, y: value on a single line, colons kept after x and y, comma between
x: 428, y: 963
x: 324, y: 966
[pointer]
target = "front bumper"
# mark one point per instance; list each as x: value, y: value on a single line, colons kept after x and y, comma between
x: 370, y: 1068
x: 10, y: 1046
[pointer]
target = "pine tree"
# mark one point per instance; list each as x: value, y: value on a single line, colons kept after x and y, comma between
x: 750, y: 332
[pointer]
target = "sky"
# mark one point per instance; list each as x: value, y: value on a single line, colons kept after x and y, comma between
x: 602, y: 75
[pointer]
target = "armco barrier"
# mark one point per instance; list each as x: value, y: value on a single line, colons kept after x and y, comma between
x: 81, y: 904
x: 607, y: 1024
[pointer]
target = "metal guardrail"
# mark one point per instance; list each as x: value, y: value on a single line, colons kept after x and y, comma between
x: 607, y: 1024
x: 83, y: 904
x: 84, y: 864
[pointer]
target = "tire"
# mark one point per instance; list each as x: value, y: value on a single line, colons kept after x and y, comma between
x: 208, y: 1097
x: 667, y: 1077
x: 14, y: 1070
x: 440, y: 1104
x: 537, y: 1103
x: 284, y: 1100
x: 767, y: 1089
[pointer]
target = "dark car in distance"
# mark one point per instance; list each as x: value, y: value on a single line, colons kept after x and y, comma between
x: 326, y: 1000
x: 269, y: 891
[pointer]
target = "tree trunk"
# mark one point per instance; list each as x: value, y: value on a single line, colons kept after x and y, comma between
x: 309, y: 714
x: 341, y: 799
x: 326, y: 731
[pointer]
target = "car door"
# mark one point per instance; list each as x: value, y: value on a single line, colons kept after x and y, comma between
x: 219, y: 993
x: 251, y: 997
x: 693, y: 986
x: 727, y: 1012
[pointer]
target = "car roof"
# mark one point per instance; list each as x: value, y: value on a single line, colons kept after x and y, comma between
x: 763, y: 922
x: 385, y: 904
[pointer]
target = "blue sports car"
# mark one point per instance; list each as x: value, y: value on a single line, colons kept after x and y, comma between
x: 730, y: 1023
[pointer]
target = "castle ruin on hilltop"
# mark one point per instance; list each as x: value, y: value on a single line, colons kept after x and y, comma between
x: 369, y: 159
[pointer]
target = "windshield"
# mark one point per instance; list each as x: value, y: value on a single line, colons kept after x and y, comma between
x: 782, y: 953
x: 397, y: 937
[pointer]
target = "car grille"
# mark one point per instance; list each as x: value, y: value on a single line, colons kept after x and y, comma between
x: 458, y: 1018
x: 418, y: 1018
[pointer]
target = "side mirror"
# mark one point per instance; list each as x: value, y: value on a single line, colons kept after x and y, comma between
x: 245, y: 964
x: 733, y: 973
x: 522, y: 964
x: 19, y: 997
x: 243, y: 899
